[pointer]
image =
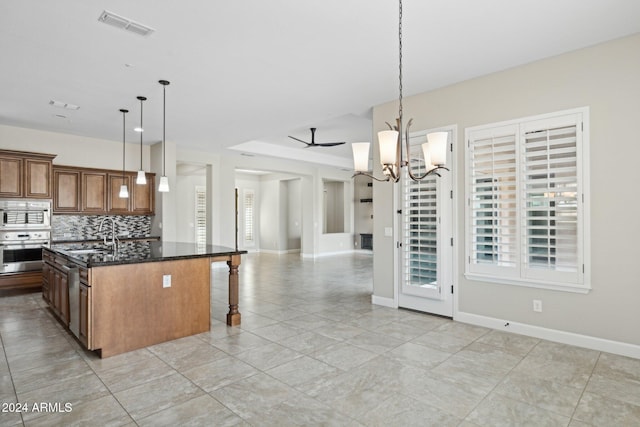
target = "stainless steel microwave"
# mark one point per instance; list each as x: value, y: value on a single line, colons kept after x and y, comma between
x: 25, y: 214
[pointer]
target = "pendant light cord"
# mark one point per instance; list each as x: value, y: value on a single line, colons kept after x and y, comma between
x: 164, y: 127
x: 124, y: 112
x: 400, y: 62
x: 141, y: 131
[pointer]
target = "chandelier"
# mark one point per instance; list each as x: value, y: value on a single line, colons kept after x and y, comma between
x: 392, y: 156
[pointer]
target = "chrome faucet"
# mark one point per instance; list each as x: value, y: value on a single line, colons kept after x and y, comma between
x: 114, y: 238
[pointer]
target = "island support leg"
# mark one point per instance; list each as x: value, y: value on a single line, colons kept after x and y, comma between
x: 233, y: 317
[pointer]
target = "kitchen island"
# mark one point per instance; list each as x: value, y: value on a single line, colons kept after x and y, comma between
x: 141, y: 294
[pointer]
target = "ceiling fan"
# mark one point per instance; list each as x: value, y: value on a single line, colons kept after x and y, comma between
x: 313, y: 142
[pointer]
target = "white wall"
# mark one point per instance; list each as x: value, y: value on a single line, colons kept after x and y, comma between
x: 269, y: 214
x: 294, y: 214
x: 605, y: 78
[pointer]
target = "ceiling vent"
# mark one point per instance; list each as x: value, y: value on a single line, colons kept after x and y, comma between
x: 64, y: 105
x: 123, y: 23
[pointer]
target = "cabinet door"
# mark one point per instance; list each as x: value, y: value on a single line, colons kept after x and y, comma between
x: 143, y: 197
x: 11, y: 172
x: 38, y: 178
x: 64, y: 298
x: 66, y: 187
x: 45, y: 281
x: 84, y: 314
x: 52, y: 289
x: 115, y: 203
x: 94, y: 192
x: 57, y: 295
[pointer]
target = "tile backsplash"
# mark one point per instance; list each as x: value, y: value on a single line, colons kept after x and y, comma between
x: 85, y: 227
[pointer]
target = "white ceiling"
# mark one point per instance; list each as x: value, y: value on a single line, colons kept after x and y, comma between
x: 252, y: 72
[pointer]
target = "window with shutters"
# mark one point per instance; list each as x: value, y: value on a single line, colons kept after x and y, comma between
x: 248, y: 203
x: 420, y: 222
x: 201, y: 216
x: 526, y: 192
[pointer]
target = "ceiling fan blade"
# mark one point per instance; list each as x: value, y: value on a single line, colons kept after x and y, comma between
x: 298, y: 139
x: 313, y: 142
x: 329, y: 144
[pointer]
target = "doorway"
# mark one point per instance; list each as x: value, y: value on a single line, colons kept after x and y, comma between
x: 426, y: 235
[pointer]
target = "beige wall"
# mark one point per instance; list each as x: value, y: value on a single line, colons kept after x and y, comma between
x: 73, y: 150
x: 605, y: 78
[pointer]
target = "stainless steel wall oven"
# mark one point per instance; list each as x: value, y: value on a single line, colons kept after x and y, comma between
x: 25, y: 227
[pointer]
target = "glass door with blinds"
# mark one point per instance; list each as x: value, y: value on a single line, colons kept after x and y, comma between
x: 426, y: 271
x: 201, y: 216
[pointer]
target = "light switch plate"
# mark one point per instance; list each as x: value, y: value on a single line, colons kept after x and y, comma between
x: 388, y: 231
x: 166, y: 281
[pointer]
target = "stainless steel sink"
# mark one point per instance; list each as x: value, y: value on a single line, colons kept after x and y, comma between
x: 87, y: 251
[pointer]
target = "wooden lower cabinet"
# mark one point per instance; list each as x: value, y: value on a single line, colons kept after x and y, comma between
x: 55, y: 285
x: 45, y: 282
x: 85, y: 314
x: 21, y: 280
x: 62, y: 285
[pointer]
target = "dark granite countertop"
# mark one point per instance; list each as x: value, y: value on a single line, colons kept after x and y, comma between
x: 134, y: 252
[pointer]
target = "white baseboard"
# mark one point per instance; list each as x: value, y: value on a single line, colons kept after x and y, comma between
x: 386, y: 302
x: 364, y: 251
x: 586, y: 341
x: 286, y: 251
x: 324, y: 254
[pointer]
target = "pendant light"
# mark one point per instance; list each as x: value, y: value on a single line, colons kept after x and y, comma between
x: 164, y: 181
x: 124, y: 191
x: 142, y: 178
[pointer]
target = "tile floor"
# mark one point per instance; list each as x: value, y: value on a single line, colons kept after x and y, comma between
x: 311, y: 350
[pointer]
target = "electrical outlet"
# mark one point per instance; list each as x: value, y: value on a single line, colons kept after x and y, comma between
x: 166, y: 281
x: 537, y: 306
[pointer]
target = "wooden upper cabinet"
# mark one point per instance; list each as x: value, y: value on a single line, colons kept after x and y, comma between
x: 66, y: 190
x: 142, y: 196
x: 94, y: 192
x: 38, y: 178
x: 97, y: 192
x: 26, y: 175
x: 11, y: 175
x: 119, y: 205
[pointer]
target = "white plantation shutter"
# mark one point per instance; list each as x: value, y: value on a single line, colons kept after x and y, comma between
x: 493, y: 203
x: 420, y: 227
x: 525, y: 203
x: 248, y: 201
x: 550, y: 191
x: 201, y: 216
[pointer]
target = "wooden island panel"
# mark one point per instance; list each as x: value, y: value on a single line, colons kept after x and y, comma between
x: 130, y: 308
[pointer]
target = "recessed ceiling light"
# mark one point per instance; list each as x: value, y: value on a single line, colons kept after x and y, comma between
x: 138, y: 129
x: 123, y: 23
x: 64, y: 105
